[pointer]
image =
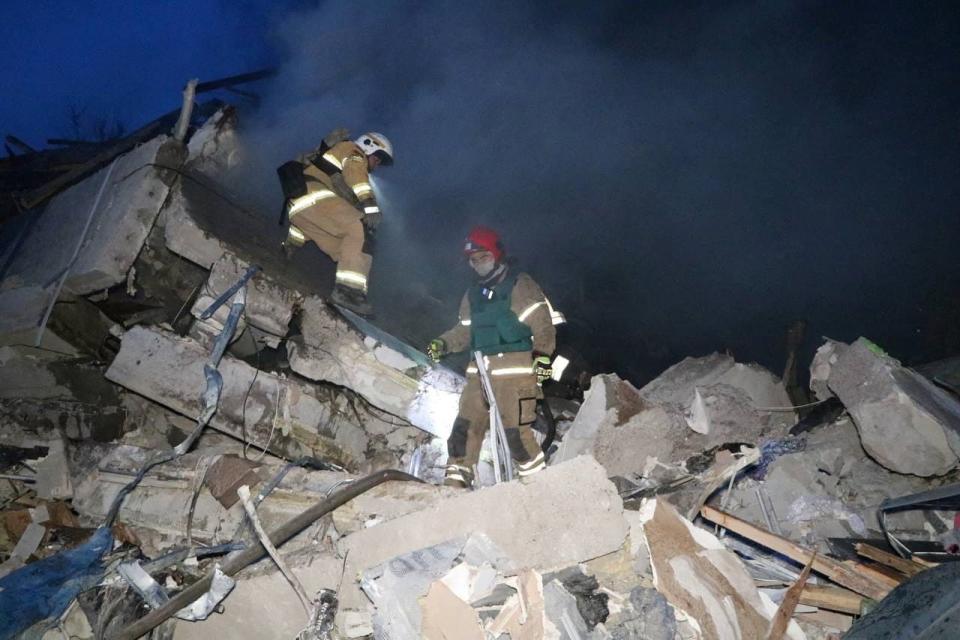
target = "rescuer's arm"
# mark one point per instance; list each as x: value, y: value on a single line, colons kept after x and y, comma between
x: 532, y: 309
x: 458, y: 338
x: 357, y: 177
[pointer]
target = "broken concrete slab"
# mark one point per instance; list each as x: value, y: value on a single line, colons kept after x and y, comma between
x: 677, y: 385
x: 396, y: 587
x: 159, y: 509
x: 214, y: 147
x: 270, y: 305
x: 823, y: 362
x: 906, y: 423
x: 632, y: 437
x: 266, y: 409
x: 572, y: 505
x: 184, y: 236
x: 124, y: 199
x: 263, y: 606
x: 331, y: 350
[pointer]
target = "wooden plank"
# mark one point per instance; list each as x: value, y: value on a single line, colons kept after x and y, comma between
x: 904, y: 566
x: 781, y: 619
x: 836, y: 571
x: 832, y: 598
x: 876, y: 572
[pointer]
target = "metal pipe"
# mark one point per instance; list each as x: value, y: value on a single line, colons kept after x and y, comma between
x: 235, y: 563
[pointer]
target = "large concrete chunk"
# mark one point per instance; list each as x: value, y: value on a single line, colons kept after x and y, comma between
x: 678, y: 384
x: 269, y: 305
x: 331, y: 350
x: 160, y: 508
x: 567, y: 514
x: 634, y: 437
x: 124, y: 199
x: 263, y: 408
x: 906, y: 423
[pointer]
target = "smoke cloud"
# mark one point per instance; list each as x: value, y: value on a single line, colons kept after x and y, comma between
x: 679, y: 180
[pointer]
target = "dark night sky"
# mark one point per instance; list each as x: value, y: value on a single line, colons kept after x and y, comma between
x: 679, y: 179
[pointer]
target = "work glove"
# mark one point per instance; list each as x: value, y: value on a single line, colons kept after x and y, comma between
x: 543, y: 369
x: 436, y: 349
x: 372, y: 220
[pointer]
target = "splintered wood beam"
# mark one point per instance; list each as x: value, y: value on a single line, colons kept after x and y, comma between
x: 867, y: 585
x: 781, y: 619
x: 832, y: 598
x: 904, y: 566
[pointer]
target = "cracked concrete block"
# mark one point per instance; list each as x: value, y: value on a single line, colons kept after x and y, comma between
x: 823, y: 361
x: 633, y: 437
x: 266, y: 409
x: 263, y: 606
x: 270, y: 304
x: 677, y: 385
x: 133, y: 193
x: 566, y: 514
x: 331, y: 350
x: 214, y: 147
x: 184, y: 236
x: 906, y: 423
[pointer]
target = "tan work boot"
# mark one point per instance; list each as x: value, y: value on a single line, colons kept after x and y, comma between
x: 533, y: 466
x: 458, y: 476
x: 352, y: 299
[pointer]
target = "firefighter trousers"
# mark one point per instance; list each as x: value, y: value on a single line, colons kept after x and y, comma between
x: 516, y: 392
x: 335, y: 226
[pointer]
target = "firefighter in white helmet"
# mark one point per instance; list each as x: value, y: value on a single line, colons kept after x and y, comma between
x: 329, y: 200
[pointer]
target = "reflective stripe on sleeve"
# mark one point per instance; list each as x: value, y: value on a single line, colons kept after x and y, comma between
x: 526, y: 312
x: 362, y: 189
x: 512, y: 371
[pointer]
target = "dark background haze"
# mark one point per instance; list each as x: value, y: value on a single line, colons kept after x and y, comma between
x: 679, y: 177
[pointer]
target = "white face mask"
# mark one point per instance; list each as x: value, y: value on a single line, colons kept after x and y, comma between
x: 484, y: 267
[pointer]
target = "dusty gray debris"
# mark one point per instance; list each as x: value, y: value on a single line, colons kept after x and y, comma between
x: 566, y: 514
x: 396, y: 586
x: 906, y: 423
x: 831, y: 488
x: 591, y: 603
x: 650, y: 617
x: 562, y: 610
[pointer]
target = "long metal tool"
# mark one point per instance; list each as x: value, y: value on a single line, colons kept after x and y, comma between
x: 235, y: 563
x: 502, y: 462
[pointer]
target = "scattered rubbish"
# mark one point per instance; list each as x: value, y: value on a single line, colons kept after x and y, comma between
x: 716, y: 501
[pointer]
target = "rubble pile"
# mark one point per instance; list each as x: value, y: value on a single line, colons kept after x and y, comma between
x: 193, y: 440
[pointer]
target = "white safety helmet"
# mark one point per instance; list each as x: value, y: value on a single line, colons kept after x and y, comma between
x: 374, y: 143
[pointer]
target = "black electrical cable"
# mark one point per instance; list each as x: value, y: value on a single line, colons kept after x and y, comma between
x: 243, y: 410
x: 242, y: 559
